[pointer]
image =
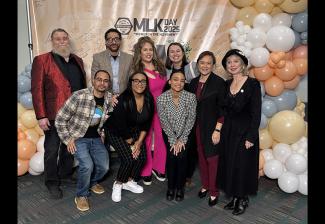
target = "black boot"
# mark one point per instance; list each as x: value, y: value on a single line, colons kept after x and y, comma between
x: 170, y: 194
x: 179, y: 195
x: 231, y: 205
x: 240, y: 206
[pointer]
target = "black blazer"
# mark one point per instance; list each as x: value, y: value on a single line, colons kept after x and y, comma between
x: 123, y: 118
x: 209, y: 109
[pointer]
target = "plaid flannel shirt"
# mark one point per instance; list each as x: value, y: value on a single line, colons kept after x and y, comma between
x: 73, y: 119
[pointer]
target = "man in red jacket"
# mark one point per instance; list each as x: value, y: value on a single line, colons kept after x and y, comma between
x: 55, y: 75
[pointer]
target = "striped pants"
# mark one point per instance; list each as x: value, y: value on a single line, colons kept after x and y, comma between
x: 129, y: 167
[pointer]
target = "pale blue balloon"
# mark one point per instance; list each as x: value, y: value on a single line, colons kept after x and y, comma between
x: 26, y: 100
x: 28, y: 68
x: 262, y: 89
x: 286, y: 101
x: 18, y: 96
x: 297, y: 39
x: 299, y: 22
x: 304, y: 42
x: 263, y: 123
x: 24, y: 83
x: 304, y: 35
x: 28, y: 74
x: 269, y: 108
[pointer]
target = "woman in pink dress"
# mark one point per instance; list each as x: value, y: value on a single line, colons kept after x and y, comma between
x: 146, y: 60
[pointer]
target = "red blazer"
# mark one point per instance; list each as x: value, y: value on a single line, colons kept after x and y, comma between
x: 50, y: 89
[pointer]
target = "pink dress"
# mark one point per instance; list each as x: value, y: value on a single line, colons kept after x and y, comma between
x: 157, y: 161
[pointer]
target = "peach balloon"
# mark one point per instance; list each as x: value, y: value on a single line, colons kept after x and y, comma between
x: 287, y: 127
x: 281, y: 64
x: 265, y: 139
x: 32, y: 135
x: 26, y: 149
x: 261, y: 162
x: 273, y: 86
x: 39, y: 130
x: 21, y: 135
x: 271, y: 63
x: 21, y: 126
x: 292, y: 84
x: 288, y: 56
x: 263, y: 73
x: 247, y: 15
x: 300, y: 52
x: 288, y: 72
x: 263, y: 6
x: 275, y: 57
x: 22, y: 166
x: 301, y: 65
x: 261, y: 173
x: 20, y: 110
x: 28, y: 118
x: 293, y: 6
x: 242, y: 3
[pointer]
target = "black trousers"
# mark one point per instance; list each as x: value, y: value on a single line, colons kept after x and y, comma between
x: 129, y: 167
x: 192, y: 156
x: 58, y: 162
x: 176, y: 166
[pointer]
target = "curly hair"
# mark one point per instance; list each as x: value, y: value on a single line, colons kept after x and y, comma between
x: 137, y: 65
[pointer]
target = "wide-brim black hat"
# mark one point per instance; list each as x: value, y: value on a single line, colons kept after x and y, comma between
x: 234, y: 52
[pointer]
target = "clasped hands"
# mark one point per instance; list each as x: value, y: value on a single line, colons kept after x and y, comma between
x: 177, y: 147
x: 135, y: 147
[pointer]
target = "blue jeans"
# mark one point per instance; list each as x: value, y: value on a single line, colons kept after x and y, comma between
x: 92, y: 156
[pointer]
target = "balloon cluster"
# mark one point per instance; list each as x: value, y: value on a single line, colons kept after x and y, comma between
x: 30, y: 135
x: 288, y: 164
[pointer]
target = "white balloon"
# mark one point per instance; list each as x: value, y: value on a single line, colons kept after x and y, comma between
x: 303, y: 184
x: 234, y: 45
x: 288, y: 182
x: 36, y: 163
x: 281, y: 19
x: 248, y: 46
x: 40, y: 144
x: 281, y: 152
x: 233, y: 31
x: 301, y: 151
x: 257, y: 37
x: 273, y: 168
x: 267, y: 154
x: 234, y: 36
x: 280, y: 38
x: 295, y: 147
x: 296, y: 163
x: 259, y: 57
x: 239, y: 24
x: 303, y: 145
x: 241, y: 40
x: 241, y: 30
x: 263, y: 21
x: 32, y: 172
x: 247, y: 28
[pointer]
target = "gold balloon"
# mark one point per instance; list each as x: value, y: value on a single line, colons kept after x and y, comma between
x: 32, y: 135
x: 20, y: 125
x: 20, y: 110
x: 261, y: 162
x: 28, y: 119
x: 242, y: 3
x: 247, y: 15
x: 39, y: 130
x: 276, y: 1
x: 293, y: 6
x: 287, y: 127
x: 306, y: 130
x: 263, y: 6
x: 265, y: 139
x: 276, y: 10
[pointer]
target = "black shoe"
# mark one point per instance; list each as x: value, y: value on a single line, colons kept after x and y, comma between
x: 240, y: 206
x: 170, y: 195
x: 55, y: 192
x: 179, y: 195
x: 69, y: 181
x: 231, y: 205
x: 202, y: 194
x: 159, y: 176
x: 147, y: 180
x: 213, y: 202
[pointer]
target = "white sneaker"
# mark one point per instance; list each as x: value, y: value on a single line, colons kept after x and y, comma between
x: 133, y: 187
x: 116, y: 193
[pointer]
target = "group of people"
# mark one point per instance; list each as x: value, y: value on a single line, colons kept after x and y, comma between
x: 161, y: 118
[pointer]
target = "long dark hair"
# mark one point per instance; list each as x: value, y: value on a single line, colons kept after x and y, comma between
x: 167, y: 85
x: 169, y: 63
x: 129, y: 99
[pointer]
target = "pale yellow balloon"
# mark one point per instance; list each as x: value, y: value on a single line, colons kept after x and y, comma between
x: 242, y: 3
x: 247, y: 15
x: 32, y: 135
x: 287, y: 127
x: 28, y: 119
x: 293, y: 6
x: 263, y: 6
x: 276, y: 1
x: 20, y: 110
x: 39, y: 130
x: 20, y: 125
x: 265, y: 139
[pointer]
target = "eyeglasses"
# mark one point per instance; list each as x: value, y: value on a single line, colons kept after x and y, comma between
x: 102, y: 80
x: 137, y: 81
x: 111, y: 40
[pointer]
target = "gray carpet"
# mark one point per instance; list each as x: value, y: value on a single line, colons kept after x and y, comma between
x: 271, y: 205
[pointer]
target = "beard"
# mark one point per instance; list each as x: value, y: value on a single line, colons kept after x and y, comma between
x: 63, y: 51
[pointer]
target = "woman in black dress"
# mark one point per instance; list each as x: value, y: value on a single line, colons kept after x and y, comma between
x: 239, y: 157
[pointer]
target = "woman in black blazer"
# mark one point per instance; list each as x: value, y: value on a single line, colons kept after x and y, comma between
x: 210, y: 90
x: 126, y: 129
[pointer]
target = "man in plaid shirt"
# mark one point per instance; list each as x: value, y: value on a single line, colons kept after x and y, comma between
x: 78, y: 124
